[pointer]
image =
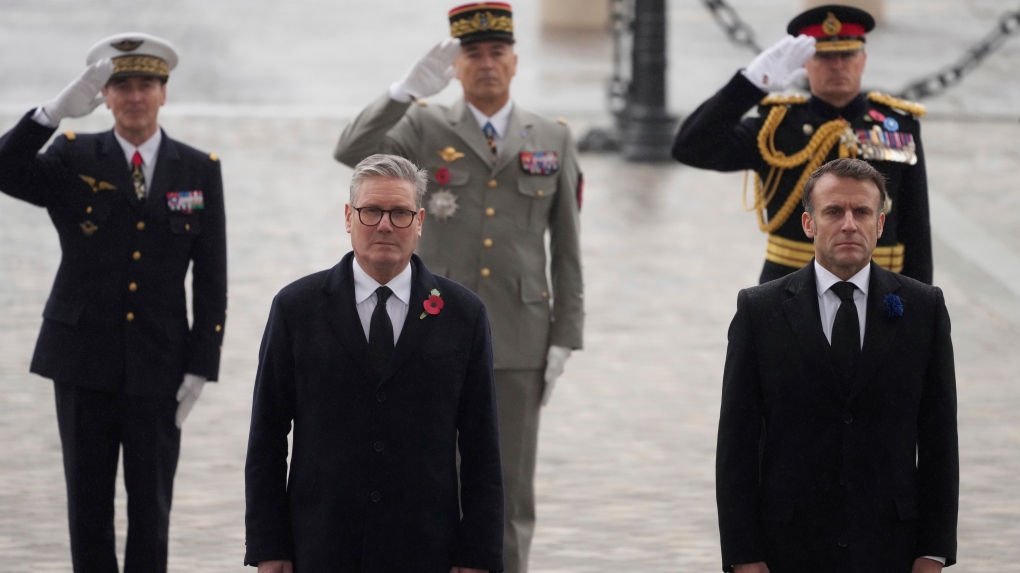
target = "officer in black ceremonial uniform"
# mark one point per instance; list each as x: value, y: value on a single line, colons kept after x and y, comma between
x: 792, y: 135
x: 133, y: 209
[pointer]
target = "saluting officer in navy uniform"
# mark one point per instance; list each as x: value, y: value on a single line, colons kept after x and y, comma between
x: 500, y: 179
x: 133, y: 209
x: 792, y: 135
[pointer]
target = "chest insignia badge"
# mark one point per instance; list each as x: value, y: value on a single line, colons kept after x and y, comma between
x: 443, y: 205
x: 540, y: 162
x: 450, y: 155
x: 184, y: 201
x: 88, y: 228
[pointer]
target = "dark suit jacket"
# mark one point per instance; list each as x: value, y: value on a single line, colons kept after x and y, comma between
x: 373, y: 474
x: 864, y: 482
x: 117, y: 315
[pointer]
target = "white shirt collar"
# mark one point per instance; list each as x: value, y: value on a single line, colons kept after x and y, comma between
x: 148, y: 149
x: 499, y: 120
x: 364, y: 285
x: 825, y: 279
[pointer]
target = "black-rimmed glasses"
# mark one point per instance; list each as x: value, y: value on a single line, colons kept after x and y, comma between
x: 372, y: 216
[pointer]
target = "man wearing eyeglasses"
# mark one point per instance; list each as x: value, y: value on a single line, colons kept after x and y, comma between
x: 501, y: 179
x: 385, y: 371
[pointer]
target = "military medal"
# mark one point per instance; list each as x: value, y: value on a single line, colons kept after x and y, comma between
x: 876, y: 115
x: 184, y: 201
x: 443, y: 205
x: 891, y: 124
x: 540, y: 162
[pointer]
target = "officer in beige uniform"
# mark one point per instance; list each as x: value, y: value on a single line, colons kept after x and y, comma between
x: 500, y: 178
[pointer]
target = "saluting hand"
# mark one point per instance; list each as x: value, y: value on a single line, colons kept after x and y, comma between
x: 82, y: 95
x: 782, y: 64
x: 429, y: 75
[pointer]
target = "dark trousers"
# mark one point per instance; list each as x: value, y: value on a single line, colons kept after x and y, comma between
x: 93, y: 426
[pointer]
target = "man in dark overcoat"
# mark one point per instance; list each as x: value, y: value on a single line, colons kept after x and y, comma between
x: 383, y: 370
x: 837, y: 447
x: 133, y: 209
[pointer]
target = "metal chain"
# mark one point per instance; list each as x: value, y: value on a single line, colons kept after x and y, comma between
x: 738, y: 31
x: 938, y: 82
x: 933, y: 84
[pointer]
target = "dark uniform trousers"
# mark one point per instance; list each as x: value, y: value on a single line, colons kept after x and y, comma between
x: 115, y: 336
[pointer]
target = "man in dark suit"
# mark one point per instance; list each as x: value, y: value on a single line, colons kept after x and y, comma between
x: 837, y: 447
x: 384, y: 370
x: 133, y: 209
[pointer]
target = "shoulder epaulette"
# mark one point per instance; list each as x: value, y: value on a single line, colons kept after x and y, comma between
x: 783, y: 99
x: 897, y: 103
x: 69, y: 135
x: 562, y: 120
x: 214, y: 157
x: 421, y: 102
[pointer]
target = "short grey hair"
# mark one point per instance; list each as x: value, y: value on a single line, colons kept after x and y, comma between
x: 844, y: 168
x: 390, y: 167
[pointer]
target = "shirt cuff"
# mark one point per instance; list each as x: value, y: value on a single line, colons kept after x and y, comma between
x: 41, y: 118
x: 941, y: 560
x: 398, y: 94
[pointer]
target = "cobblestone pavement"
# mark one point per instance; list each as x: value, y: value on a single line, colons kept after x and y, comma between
x: 625, y: 476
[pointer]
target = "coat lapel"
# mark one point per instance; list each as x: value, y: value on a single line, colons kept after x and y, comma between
x: 518, y: 131
x: 164, y: 178
x: 415, y: 329
x: 879, y: 329
x: 342, y: 314
x: 114, y: 165
x: 464, y: 125
x: 801, y: 310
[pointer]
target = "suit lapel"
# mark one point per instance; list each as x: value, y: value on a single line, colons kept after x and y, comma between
x: 415, y: 329
x: 466, y: 127
x: 879, y: 329
x: 342, y: 314
x: 518, y: 130
x: 113, y: 164
x: 801, y: 310
x: 164, y: 177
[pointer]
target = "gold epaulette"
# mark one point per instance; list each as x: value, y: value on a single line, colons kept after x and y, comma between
x: 783, y: 99
x: 910, y: 107
x: 213, y: 157
x: 421, y: 102
x: 69, y: 135
x: 562, y: 120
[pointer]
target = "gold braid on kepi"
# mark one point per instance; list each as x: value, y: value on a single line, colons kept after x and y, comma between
x: 812, y: 157
x: 910, y: 107
x: 482, y: 21
x: 135, y: 54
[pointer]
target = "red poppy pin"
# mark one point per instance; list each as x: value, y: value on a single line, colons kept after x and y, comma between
x: 442, y: 176
x: 433, y: 304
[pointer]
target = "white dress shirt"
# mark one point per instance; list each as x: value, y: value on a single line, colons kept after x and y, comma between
x: 396, y: 306
x: 828, y: 302
x: 499, y: 120
x: 149, y: 150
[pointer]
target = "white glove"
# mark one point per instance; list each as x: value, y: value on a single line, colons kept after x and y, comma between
x: 554, y: 363
x: 82, y: 95
x: 781, y: 64
x: 187, y: 395
x: 429, y: 75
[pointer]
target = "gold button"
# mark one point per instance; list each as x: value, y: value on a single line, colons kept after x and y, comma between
x: 140, y: 226
x: 485, y: 272
x: 545, y: 294
x: 88, y: 210
x: 218, y: 328
x: 187, y: 226
x: 133, y: 287
x: 487, y: 243
x: 540, y: 193
x: 130, y: 316
x: 137, y: 255
x: 490, y: 212
x: 492, y: 183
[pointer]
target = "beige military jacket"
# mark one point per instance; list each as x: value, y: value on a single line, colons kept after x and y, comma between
x: 486, y: 222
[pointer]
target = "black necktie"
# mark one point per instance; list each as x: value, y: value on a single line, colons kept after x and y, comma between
x: 846, y: 334
x: 380, y: 332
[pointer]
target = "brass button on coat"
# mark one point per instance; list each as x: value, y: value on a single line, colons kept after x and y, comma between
x: 130, y: 316
x: 486, y: 272
x: 487, y: 243
x: 492, y: 183
x: 218, y: 328
x: 140, y: 226
x: 490, y: 212
x: 137, y: 255
x: 133, y: 287
x: 88, y: 210
x: 540, y: 193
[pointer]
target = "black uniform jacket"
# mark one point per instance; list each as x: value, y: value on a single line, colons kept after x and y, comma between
x: 716, y: 137
x: 117, y: 316
x: 373, y: 473
x: 861, y: 482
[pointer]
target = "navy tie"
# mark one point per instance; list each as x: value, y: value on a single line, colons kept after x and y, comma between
x: 490, y: 137
x: 380, y: 332
x: 846, y: 334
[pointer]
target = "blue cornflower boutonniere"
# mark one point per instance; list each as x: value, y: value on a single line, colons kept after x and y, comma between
x: 893, y: 306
